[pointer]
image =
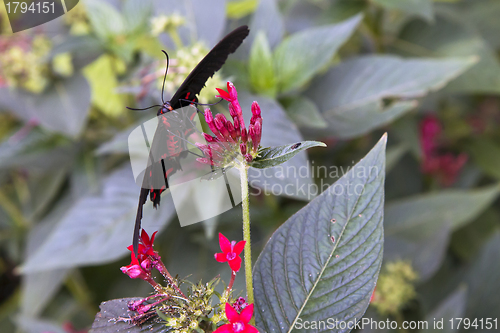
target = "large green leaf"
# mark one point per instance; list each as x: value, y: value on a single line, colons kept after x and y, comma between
x: 482, y: 280
x: 324, y: 261
x: 39, y: 287
x: 299, y: 57
x: 358, y: 95
x: 422, y: 8
x: 62, y: 108
x: 98, y: 228
x: 458, y: 207
x: 106, y: 21
x: 452, y: 307
x: 451, y: 36
x: 483, y: 16
x: 418, y: 228
x: 304, y: 112
x: 269, y: 19
x: 273, y: 156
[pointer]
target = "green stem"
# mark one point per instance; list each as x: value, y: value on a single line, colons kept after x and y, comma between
x: 246, y: 232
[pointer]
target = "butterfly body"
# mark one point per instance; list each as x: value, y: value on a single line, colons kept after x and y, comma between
x: 186, y: 94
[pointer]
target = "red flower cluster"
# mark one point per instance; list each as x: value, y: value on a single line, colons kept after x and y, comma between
x: 141, y: 266
x: 231, y: 137
x: 230, y: 252
x: 238, y: 322
x: 445, y: 166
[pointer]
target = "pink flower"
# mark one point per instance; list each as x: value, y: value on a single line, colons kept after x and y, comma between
x: 238, y: 322
x: 231, y: 138
x: 140, y: 266
x: 444, y: 166
x: 230, y: 252
x: 231, y: 94
x: 137, y: 270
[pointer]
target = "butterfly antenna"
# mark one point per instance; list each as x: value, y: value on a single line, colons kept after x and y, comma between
x: 164, y: 77
x: 149, y: 107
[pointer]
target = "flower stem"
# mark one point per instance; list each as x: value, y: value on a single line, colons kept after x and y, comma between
x: 246, y: 232
x: 160, y: 266
x: 231, y: 282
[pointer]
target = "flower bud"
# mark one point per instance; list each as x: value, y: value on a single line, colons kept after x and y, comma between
x: 255, y: 112
x: 243, y: 148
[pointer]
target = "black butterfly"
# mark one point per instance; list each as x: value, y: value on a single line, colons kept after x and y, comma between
x: 186, y: 94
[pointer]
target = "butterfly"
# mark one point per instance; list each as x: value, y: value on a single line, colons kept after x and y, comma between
x: 185, y: 95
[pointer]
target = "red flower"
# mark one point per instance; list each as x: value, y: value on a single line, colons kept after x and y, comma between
x: 140, y: 266
x: 231, y: 138
x: 372, y: 298
x: 231, y: 94
x: 238, y: 322
x: 145, y: 248
x: 230, y: 252
x: 444, y: 166
x: 136, y: 269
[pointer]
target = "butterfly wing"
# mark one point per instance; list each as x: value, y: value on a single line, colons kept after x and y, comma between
x: 192, y: 86
x: 207, y: 67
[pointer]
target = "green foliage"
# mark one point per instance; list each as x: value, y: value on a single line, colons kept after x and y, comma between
x: 341, y: 72
x: 336, y: 241
x: 273, y: 156
x: 261, y: 67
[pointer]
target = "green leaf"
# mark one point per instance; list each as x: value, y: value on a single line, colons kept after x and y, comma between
x: 237, y: 9
x: 362, y: 94
x: 457, y: 207
x: 486, y: 155
x: 452, y: 307
x: 273, y: 156
x: 102, y: 77
x: 106, y: 21
x: 482, y: 281
x: 304, y: 112
x: 467, y: 242
x: 302, y: 275
x: 106, y: 320
x: 302, y: 55
x: 394, y: 155
x: 425, y: 248
x: 98, y: 227
x: 451, y: 36
x: 38, y: 288
x: 483, y: 15
x: 260, y: 66
x: 422, y: 8
x: 62, y: 108
x: 267, y: 18
x: 418, y: 228
x: 136, y: 14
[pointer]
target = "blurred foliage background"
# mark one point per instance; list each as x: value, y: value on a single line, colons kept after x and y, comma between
x: 338, y: 71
